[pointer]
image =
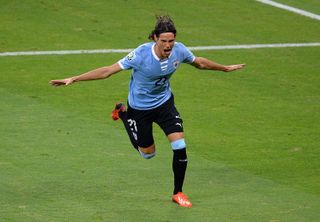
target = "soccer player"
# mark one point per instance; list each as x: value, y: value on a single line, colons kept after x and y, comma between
x: 150, y: 97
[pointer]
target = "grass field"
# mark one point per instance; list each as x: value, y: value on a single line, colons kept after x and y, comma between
x: 252, y: 136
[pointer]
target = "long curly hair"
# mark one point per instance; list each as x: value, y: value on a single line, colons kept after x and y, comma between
x: 163, y: 24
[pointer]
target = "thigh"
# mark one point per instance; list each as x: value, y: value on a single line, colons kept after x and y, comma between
x: 169, y: 118
x: 140, y: 123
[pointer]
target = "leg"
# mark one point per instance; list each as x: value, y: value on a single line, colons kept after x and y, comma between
x: 120, y: 111
x: 132, y: 120
x: 171, y: 123
x: 132, y: 130
x: 179, y: 161
x: 179, y: 166
x: 139, y: 127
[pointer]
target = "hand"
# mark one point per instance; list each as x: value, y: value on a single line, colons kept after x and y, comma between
x: 60, y: 82
x: 234, y: 67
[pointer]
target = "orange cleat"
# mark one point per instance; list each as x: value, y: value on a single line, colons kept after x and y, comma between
x: 182, y: 200
x: 120, y: 107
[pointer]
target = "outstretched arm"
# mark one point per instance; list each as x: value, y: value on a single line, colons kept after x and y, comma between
x: 203, y: 63
x: 100, y: 73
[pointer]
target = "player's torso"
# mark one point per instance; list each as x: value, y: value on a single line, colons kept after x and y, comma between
x: 153, y: 69
x: 149, y: 85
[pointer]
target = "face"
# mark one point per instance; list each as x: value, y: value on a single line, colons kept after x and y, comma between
x: 164, y: 44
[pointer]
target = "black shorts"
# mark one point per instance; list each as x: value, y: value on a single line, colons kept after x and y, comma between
x: 166, y: 116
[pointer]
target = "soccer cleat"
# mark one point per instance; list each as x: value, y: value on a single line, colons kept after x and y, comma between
x: 182, y: 200
x: 120, y: 107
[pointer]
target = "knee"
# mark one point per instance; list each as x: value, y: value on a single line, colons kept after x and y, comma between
x: 178, y: 144
x: 147, y: 153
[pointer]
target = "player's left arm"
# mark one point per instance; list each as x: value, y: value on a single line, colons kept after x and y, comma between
x: 204, y: 63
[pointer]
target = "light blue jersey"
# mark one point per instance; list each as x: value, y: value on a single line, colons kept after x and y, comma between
x: 149, y: 84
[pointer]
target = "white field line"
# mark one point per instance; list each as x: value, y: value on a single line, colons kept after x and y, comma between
x: 66, y: 52
x: 292, y: 9
x: 194, y: 48
x: 254, y: 46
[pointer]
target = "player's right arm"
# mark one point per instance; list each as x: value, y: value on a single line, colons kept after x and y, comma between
x: 100, y: 73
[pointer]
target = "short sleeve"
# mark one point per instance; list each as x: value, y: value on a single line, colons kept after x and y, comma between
x: 130, y: 61
x: 188, y: 56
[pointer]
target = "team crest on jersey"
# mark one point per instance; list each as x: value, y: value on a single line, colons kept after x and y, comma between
x: 131, y: 56
x: 176, y: 64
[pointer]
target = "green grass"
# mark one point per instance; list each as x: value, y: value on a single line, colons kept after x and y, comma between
x: 252, y: 135
x: 68, y: 24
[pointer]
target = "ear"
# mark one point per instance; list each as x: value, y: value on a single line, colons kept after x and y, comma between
x: 155, y: 38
